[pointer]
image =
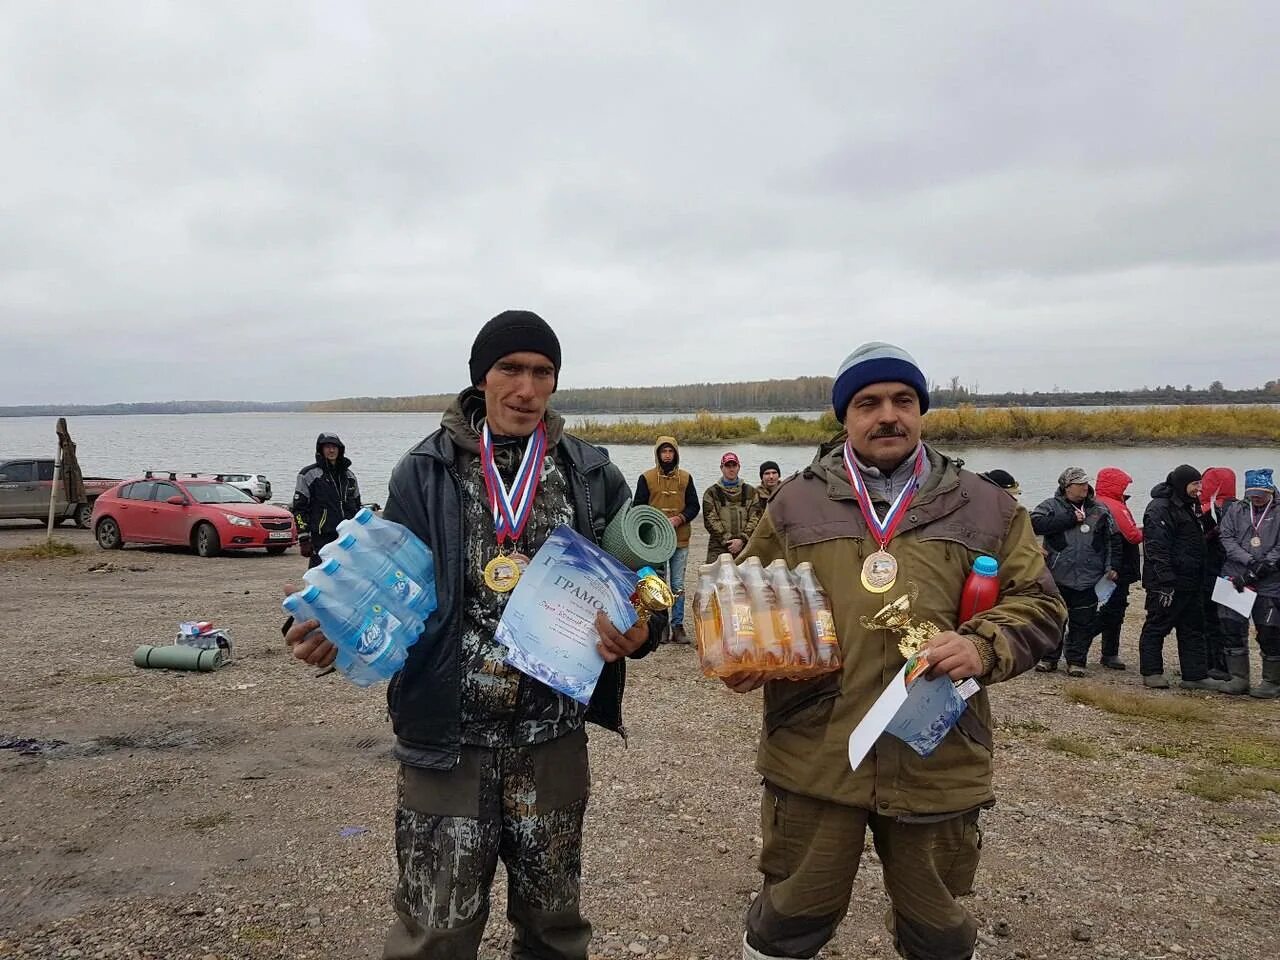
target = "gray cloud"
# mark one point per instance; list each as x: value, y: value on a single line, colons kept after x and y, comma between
x: 303, y: 201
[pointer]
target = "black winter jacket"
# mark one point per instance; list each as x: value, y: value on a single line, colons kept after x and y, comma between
x: 1173, y: 546
x: 325, y: 495
x: 424, y: 698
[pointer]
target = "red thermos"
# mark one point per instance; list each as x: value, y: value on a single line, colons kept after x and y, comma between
x: 981, y: 589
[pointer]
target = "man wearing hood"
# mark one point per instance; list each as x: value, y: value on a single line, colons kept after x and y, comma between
x: 669, y: 488
x: 1083, y: 547
x: 879, y: 503
x: 1250, y: 535
x: 731, y: 509
x: 1173, y: 575
x: 1217, y: 493
x: 1112, y: 484
x: 493, y: 763
x: 326, y: 494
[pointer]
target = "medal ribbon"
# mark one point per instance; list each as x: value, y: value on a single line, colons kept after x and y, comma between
x: 511, y: 510
x: 882, y: 530
x: 1259, y: 521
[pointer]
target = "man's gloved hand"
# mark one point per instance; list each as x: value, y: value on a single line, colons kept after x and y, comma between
x: 1164, y: 597
x: 1252, y: 574
x: 1266, y: 569
x: 304, y: 546
x: 1238, y: 582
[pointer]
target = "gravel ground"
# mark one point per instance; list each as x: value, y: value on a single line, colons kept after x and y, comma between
x: 201, y: 815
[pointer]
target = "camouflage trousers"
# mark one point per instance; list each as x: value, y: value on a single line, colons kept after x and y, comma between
x: 810, y: 859
x: 523, y: 805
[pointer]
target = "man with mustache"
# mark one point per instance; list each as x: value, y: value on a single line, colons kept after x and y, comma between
x: 493, y: 763
x: 879, y: 515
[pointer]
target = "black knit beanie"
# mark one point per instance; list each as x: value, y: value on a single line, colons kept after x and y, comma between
x: 1179, y: 477
x: 511, y: 332
x: 769, y: 465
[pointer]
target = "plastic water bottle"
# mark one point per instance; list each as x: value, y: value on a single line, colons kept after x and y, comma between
x: 396, y: 542
x: 817, y: 610
x: 770, y: 647
x: 707, y: 626
x: 414, y: 597
x: 370, y: 638
x: 981, y: 589
x: 788, y: 616
x: 341, y: 576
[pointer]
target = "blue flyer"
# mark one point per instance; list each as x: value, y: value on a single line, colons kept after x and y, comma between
x: 548, y: 626
x: 931, y: 709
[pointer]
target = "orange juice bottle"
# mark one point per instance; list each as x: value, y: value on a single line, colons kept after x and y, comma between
x: 770, y: 651
x: 822, y: 626
x: 788, y: 618
x: 707, y: 622
x: 736, y: 623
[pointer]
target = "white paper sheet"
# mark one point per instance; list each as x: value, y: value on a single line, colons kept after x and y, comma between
x: 1241, y: 601
x: 869, y: 728
x: 1103, y: 589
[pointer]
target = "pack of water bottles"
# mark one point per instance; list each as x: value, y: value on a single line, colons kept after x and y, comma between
x: 372, y: 593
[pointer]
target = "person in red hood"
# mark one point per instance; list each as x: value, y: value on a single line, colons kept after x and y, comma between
x: 1217, y: 492
x: 1110, y: 491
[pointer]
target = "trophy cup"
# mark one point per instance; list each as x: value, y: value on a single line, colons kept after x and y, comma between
x: 652, y: 594
x: 896, y: 616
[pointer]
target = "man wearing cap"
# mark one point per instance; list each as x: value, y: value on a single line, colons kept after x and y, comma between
x: 882, y: 516
x: 1082, y: 547
x: 668, y: 488
x: 770, y: 480
x: 1250, y: 536
x: 731, y: 509
x: 1004, y: 480
x: 1173, y: 552
x: 493, y: 763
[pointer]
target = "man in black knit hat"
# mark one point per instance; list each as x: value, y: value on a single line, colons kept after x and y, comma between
x: 493, y: 763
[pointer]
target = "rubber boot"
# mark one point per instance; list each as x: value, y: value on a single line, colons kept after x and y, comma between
x: 1238, y: 667
x: 1208, y: 683
x: 1269, y: 688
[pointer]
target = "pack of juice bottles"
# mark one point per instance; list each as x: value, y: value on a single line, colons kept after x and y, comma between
x: 751, y: 618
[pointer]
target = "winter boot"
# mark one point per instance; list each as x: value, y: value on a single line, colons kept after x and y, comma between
x: 1114, y: 663
x: 1238, y: 667
x: 1208, y: 683
x: 1156, y: 681
x: 1269, y: 688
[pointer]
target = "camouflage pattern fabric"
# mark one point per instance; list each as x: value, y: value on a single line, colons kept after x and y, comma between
x: 521, y: 804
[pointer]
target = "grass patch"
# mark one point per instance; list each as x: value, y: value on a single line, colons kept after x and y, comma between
x: 968, y: 425
x: 1272, y: 838
x: 1075, y: 746
x: 1170, y: 751
x: 1124, y: 704
x: 1024, y: 726
x: 104, y: 678
x: 208, y: 821
x: 1218, y: 786
x: 257, y: 934
x: 1263, y: 753
x: 48, y: 550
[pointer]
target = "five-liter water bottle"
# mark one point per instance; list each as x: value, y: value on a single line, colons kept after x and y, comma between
x: 372, y: 594
x: 370, y: 638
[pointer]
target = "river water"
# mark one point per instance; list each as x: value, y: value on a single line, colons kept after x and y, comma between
x: 279, y: 444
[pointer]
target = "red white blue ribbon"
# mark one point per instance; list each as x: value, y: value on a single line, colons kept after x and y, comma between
x: 882, y: 530
x: 511, y: 509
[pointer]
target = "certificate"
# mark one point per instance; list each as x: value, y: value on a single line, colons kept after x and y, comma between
x: 548, y: 626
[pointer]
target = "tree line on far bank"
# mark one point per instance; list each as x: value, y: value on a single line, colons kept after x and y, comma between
x: 810, y: 393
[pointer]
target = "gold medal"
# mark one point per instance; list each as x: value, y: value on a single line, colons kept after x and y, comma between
x: 502, y: 573
x: 879, y: 572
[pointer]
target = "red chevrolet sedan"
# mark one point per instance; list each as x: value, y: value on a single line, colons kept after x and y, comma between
x: 196, y: 511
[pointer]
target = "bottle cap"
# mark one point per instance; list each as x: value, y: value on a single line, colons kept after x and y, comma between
x: 309, y: 595
x: 364, y: 516
x: 331, y: 565
x: 348, y: 541
x: 986, y: 566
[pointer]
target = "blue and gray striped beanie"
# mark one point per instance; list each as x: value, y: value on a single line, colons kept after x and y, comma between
x: 876, y: 362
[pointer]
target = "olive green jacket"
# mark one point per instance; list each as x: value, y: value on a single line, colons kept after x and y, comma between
x: 955, y: 517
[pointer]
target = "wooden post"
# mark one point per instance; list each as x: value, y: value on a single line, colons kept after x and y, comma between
x: 53, y: 492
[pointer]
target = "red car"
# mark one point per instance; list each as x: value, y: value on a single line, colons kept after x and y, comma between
x: 189, y: 509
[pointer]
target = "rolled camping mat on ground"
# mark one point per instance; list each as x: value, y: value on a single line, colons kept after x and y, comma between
x: 178, y: 657
x: 640, y: 537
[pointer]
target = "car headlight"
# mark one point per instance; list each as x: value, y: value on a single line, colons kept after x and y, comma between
x: 238, y: 521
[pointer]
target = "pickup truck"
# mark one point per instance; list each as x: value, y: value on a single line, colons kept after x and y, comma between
x: 25, y: 483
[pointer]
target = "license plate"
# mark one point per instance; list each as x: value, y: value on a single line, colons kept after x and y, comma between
x: 279, y: 535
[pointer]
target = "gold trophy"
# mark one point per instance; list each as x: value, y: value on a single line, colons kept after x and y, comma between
x: 652, y: 595
x: 896, y: 616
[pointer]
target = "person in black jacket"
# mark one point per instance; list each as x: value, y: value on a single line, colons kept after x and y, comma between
x: 493, y: 763
x: 1173, y: 575
x: 326, y: 494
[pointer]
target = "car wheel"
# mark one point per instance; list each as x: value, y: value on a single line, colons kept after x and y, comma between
x: 84, y: 515
x: 206, y: 540
x: 276, y: 551
x: 108, y: 534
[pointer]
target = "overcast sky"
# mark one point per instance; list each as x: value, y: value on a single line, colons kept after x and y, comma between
x: 287, y: 201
